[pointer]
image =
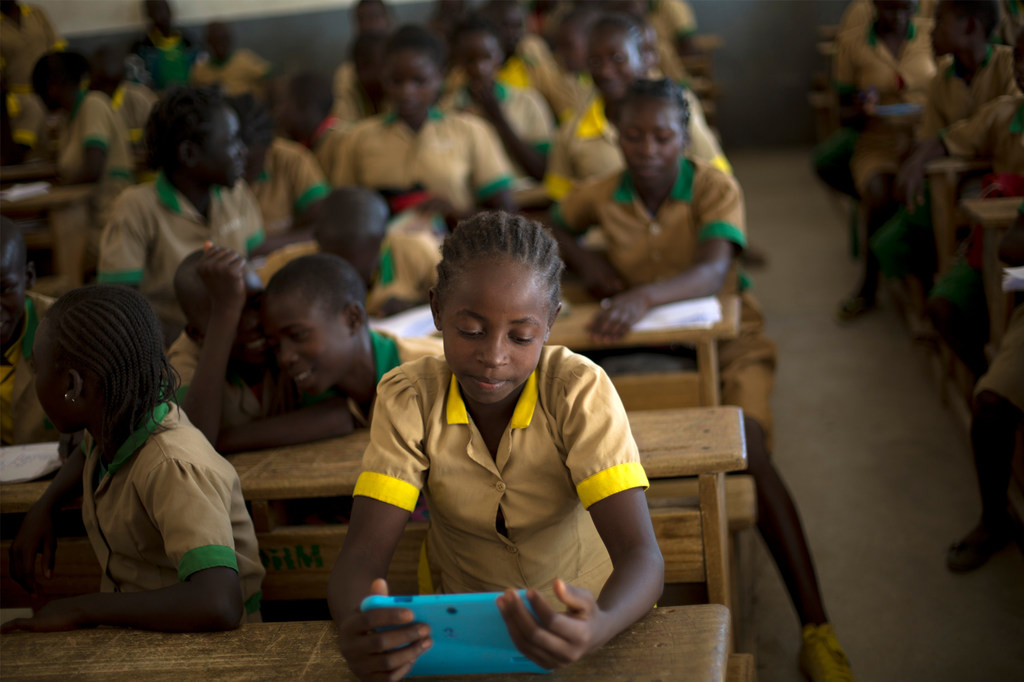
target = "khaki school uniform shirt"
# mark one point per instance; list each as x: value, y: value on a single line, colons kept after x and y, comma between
x: 1011, y: 20
x: 153, y: 227
x: 588, y: 147
x: 22, y: 417
x: 28, y: 123
x: 453, y: 156
x: 133, y: 102
x: 22, y: 46
x: 995, y: 132
x: 863, y: 61
x: 567, y: 446
x: 670, y: 20
x: 861, y: 12
x: 166, y: 507
x: 350, y: 102
x: 291, y: 181
x: 327, y: 148
x: 243, y: 72
x: 951, y: 99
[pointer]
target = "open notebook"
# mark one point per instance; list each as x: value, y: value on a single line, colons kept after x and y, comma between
x: 19, y: 463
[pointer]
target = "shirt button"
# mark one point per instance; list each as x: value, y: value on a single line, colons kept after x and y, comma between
x: 655, y: 228
x: 499, y: 486
x: 512, y: 549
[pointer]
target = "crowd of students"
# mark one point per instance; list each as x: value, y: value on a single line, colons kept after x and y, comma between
x: 234, y: 290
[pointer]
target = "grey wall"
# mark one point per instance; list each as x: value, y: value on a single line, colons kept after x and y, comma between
x: 764, y: 70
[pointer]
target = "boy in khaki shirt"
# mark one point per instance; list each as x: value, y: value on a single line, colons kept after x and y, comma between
x: 306, y: 118
x: 26, y: 34
x: 236, y: 72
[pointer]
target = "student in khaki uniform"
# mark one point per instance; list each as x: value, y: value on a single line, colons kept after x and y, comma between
x: 167, y: 55
x: 587, y: 146
x: 525, y: 456
x: 25, y: 35
x: 673, y: 227
x: 24, y: 127
x: 285, y: 177
x: 93, y: 146
x: 315, y: 321
x: 526, y: 54
x: 453, y: 160
x: 568, y: 86
x: 358, y: 91
x: 198, y: 196
x: 306, y: 118
x: 164, y: 512
x: 673, y: 25
x: 22, y: 419
x: 519, y: 116
x: 236, y: 72
x: 888, y: 61
x: 1011, y: 21
x: 133, y: 102
x: 998, y: 412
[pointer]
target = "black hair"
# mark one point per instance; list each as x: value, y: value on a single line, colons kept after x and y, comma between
x: 985, y: 12
x: 474, y: 23
x: 350, y: 215
x: 365, y: 43
x: 312, y: 90
x: 419, y: 39
x: 111, y: 332
x: 67, y: 68
x: 663, y: 89
x: 320, y: 278
x: 182, y: 114
x: 11, y: 237
x: 622, y: 22
x: 255, y: 124
x: 500, y: 235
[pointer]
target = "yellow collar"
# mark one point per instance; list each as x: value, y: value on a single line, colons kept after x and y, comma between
x: 593, y: 123
x: 455, y: 409
x: 514, y: 72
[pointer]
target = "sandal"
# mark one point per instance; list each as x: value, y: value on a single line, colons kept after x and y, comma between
x: 852, y: 308
x: 976, y: 548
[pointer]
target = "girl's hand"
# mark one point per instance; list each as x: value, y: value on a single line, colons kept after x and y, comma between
x: 554, y: 639
x: 58, y: 615
x: 618, y: 315
x: 387, y: 655
x: 223, y: 273
x: 35, y: 537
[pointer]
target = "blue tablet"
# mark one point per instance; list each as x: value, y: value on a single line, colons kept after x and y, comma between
x: 470, y: 637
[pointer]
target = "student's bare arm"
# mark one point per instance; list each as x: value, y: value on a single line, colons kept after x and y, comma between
x: 208, y: 600
x: 532, y: 160
x: 638, y: 574
x: 1011, y: 248
x: 910, y: 178
x: 36, y: 534
x: 328, y: 419
x: 598, y: 276
x: 93, y: 162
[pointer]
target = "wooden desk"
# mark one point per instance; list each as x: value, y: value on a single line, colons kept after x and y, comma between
x: 28, y: 172
x: 944, y: 176
x: 652, y: 391
x: 994, y: 217
x: 671, y: 643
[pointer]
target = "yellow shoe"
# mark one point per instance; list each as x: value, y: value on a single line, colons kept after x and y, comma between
x: 821, y: 657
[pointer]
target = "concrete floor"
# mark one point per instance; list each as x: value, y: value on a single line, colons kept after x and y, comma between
x: 880, y: 471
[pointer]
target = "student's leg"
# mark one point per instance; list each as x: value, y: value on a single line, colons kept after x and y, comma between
x: 879, y: 207
x: 960, y: 333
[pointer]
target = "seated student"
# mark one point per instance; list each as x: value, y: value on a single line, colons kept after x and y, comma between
x: 526, y: 54
x: 888, y: 61
x: 198, y: 196
x: 305, y: 116
x: 236, y: 72
x: 284, y: 176
x: 23, y: 128
x: 500, y: 405
x: 997, y: 415
x: 21, y: 417
x: 358, y: 91
x: 587, y: 146
x: 450, y: 163
x: 1011, y: 22
x: 26, y: 34
x: 164, y: 512
x: 674, y: 26
x: 372, y: 16
x: 568, y: 87
x: 133, y: 102
x: 398, y: 267
x: 167, y: 55
x: 519, y: 116
x: 673, y: 226
x: 94, y: 144
x: 315, y: 322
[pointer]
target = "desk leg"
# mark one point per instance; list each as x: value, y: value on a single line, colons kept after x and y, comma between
x: 715, y: 528
x: 999, y: 302
x: 707, y: 367
x: 944, y: 212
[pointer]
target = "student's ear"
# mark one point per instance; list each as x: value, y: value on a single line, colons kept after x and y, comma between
x: 551, y: 320
x: 435, y: 308
x: 30, y: 274
x: 354, y: 315
x: 74, y: 386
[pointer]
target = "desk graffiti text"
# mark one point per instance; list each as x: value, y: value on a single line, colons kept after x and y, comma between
x: 291, y: 558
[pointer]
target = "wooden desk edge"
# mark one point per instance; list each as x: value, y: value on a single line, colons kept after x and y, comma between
x: 998, y: 212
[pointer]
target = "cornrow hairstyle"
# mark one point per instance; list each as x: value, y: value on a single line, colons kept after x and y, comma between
x: 112, y: 332
x: 181, y: 115
x: 321, y: 278
x: 418, y: 39
x: 255, y: 124
x: 311, y: 90
x: 475, y: 23
x: 663, y: 89
x: 66, y: 68
x: 985, y: 12
x: 499, y: 235
x: 622, y: 22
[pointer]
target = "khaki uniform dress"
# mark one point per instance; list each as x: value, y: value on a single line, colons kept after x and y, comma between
x: 952, y: 99
x: 670, y: 20
x: 133, y: 102
x: 28, y: 123
x: 166, y: 507
x: 21, y: 416
x: 22, y: 46
x: 291, y: 180
x: 243, y: 72
x: 350, y: 102
x: 704, y: 204
x: 327, y: 145
x: 996, y: 132
x: 567, y: 446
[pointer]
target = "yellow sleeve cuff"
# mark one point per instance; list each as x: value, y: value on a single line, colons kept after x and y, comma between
x: 557, y: 186
x: 26, y: 138
x: 722, y: 164
x: 610, y: 481
x: 387, y: 489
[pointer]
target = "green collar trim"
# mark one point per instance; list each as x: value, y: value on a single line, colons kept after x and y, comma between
x: 682, y: 188
x: 166, y: 193
x: 500, y: 91
x: 79, y: 98
x: 1017, y: 124
x: 386, y: 267
x: 264, y: 176
x: 31, y: 324
x: 957, y: 67
x: 433, y: 114
x: 137, y: 438
x: 385, y: 354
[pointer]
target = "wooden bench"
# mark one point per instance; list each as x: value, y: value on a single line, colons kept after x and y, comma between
x: 994, y: 217
x: 944, y: 177
x: 687, y: 642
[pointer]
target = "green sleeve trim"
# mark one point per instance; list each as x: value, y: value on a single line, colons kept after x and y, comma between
x: 311, y: 196
x: 745, y: 281
x: 845, y: 88
x: 492, y: 188
x: 722, y: 230
x: 97, y: 142
x: 686, y: 32
x: 207, y: 556
x: 254, y: 241
x: 121, y: 174
x: 252, y: 604
x: 543, y: 147
x: 120, y: 277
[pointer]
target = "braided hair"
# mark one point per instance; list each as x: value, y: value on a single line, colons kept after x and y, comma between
x: 181, y: 115
x: 662, y: 89
x: 500, y: 235
x: 112, y: 333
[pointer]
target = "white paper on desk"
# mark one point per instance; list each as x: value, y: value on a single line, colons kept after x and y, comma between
x: 20, y: 463
x: 699, y: 313
x: 24, y: 191
x: 1013, y: 279
x: 416, y: 321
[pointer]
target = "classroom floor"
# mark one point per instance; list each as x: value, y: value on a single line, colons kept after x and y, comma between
x: 880, y: 471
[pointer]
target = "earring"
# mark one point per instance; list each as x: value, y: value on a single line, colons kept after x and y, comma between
x: 69, y: 397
